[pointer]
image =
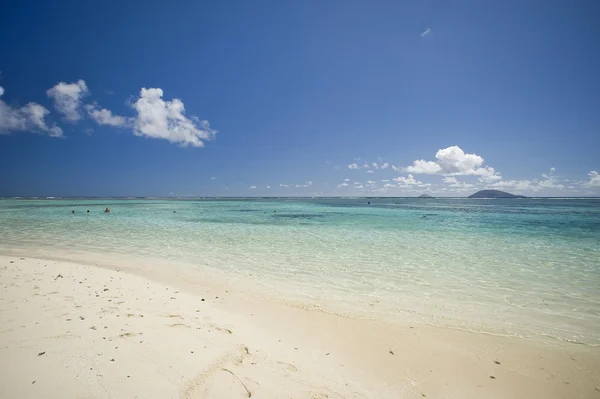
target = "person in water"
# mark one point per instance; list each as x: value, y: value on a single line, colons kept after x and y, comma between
x: 107, y: 210
x: 88, y: 211
x: 73, y: 212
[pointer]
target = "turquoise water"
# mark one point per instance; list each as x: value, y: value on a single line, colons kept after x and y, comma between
x: 529, y: 268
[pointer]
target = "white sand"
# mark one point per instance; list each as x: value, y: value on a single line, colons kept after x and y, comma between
x: 97, y: 332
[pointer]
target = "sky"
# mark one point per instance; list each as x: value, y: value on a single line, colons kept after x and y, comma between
x: 299, y: 98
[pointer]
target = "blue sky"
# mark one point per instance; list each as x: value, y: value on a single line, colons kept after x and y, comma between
x: 214, y: 98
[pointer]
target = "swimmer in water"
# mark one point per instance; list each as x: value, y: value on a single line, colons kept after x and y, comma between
x: 73, y: 212
x: 107, y: 210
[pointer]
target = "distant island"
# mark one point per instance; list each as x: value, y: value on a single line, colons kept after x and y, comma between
x: 425, y: 196
x: 494, y: 194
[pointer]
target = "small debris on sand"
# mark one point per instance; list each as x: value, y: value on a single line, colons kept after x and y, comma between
x: 58, y: 276
x: 391, y: 352
x: 41, y: 353
x: 492, y: 377
x: 497, y: 362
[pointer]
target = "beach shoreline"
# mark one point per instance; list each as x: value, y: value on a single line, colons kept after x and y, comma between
x: 201, y: 339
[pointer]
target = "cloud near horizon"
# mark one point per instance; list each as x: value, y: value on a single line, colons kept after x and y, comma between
x: 453, y: 161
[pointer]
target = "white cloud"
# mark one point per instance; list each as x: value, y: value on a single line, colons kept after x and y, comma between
x: 388, y: 185
x: 213, y: 178
x: 371, y: 182
x: 450, y: 179
x: 284, y: 185
x: 521, y: 185
x: 426, y: 167
x: 268, y: 186
x: 366, y: 166
x: 343, y: 185
x: 358, y: 186
x: 375, y: 165
x: 104, y: 116
x: 162, y: 119
x: 67, y: 98
x: 454, y: 161
x: 307, y: 184
x: 385, y: 166
x: 252, y: 187
x: 552, y: 170
x: 426, y: 32
x: 396, y: 169
x: 385, y: 181
x: 594, y: 179
x: 370, y: 171
x: 353, y: 166
x: 31, y: 117
x: 346, y: 179
x: 406, y: 181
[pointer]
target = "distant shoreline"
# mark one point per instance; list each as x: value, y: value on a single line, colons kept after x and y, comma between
x: 257, y: 197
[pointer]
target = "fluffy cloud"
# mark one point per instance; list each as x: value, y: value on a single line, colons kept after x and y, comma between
x: 162, y: 119
x: 450, y: 179
x: 454, y: 161
x: 343, y: 185
x: 284, y: 185
x: 366, y: 166
x: 105, y: 117
x: 252, y: 187
x: 353, y: 166
x: 385, y: 166
x: 406, y: 181
x: 594, y: 179
x: 346, y: 179
x: 375, y: 165
x: 426, y: 32
x: 31, y: 117
x: 370, y: 171
x: 67, y: 98
x: 371, y: 182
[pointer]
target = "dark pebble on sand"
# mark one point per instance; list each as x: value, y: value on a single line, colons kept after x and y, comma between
x: 391, y: 352
x: 202, y: 300
x: 41, y: 353
x: 112, y: 360
x: 497, y: 362
x: 33, y: 382
x: 492, y: 377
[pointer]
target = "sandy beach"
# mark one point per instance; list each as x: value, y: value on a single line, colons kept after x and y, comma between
x: 81, y: 331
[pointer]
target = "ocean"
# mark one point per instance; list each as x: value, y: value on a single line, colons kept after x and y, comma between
x: 528, y: 268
